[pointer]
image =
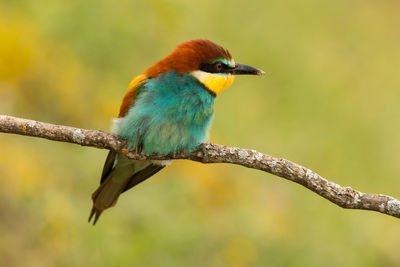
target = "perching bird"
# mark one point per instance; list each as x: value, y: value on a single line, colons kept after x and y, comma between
x: 167, y: 109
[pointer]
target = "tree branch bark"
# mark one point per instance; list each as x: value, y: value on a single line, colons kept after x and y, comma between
x: 345, y: 197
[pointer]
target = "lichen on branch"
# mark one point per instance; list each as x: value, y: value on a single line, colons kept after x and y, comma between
x: 345, y: 197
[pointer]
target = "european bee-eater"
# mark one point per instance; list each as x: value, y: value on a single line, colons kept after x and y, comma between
x: 167, y: 109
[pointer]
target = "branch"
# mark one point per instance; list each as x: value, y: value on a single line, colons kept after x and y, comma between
x: 345, y: 197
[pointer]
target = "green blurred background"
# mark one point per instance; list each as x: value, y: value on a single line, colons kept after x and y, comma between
x: 329, y: 101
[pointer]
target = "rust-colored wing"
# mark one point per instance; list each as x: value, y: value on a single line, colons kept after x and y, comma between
x: 129, y: 98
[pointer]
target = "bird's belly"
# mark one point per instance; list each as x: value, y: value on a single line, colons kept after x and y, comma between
x: 171, y: 114
x: 180, y: 133
x: 171, y: 129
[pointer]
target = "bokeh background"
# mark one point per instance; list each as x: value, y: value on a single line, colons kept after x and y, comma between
x: 329, y: 101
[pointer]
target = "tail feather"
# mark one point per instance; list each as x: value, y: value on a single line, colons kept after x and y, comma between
x: 118, y: 178
x: 108, y: 165
x: 106, y: 196
x: 142, y: 175
x: 93, y: 212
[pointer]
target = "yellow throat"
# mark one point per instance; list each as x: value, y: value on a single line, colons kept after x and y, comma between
x: 215, y: 82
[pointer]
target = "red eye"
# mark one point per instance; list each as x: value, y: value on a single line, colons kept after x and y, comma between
x: 218, y: 66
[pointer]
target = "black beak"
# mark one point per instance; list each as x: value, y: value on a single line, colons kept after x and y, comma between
x: 242, y: 69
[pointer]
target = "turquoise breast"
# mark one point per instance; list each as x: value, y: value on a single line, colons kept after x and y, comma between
x: 172, y: 113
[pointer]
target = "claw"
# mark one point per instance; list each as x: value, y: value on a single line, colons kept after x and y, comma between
x: 138, y: 149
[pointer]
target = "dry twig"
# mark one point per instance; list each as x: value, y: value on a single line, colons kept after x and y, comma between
x: 345, y: 197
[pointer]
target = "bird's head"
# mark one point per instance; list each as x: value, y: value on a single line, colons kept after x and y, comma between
x: 208, y: 62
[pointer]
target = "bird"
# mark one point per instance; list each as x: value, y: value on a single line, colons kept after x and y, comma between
x: 167, y: 109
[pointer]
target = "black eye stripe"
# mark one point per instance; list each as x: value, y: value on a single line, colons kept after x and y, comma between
x: 212, y: 68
